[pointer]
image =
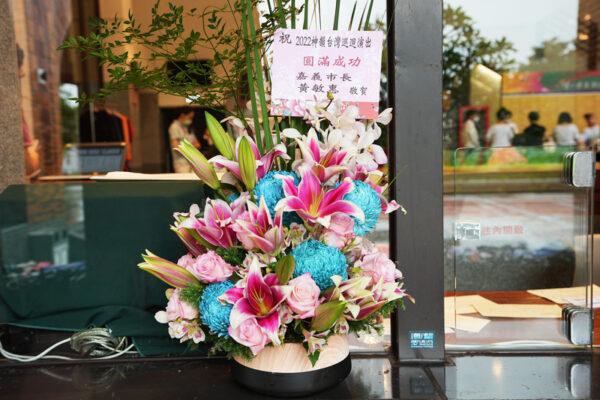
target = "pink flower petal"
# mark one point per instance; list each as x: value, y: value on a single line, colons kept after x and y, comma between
x: 339, y: 192
x: 270, y: 326
x: 233, y: 295
x: 343, y: 206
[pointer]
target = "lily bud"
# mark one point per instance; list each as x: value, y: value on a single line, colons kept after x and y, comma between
x: 200, y: 165
x: 168, y: 272
x: 188, y: 240
x: 326, y: 315
x: 247, y: 163
x: 222, y: 140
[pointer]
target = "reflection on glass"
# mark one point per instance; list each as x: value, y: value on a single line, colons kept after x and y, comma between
x: 512, y: 226
x: 45, y: 240
x: 69, y: 255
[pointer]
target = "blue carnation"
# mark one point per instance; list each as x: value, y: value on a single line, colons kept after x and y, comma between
x: 321, y: 261
x: 365, y: 197
x: 233, y: 197
x: 213, y: 313
x: 270, y: 188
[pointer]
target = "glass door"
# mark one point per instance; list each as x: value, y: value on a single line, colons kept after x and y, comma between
x: 518, y: 251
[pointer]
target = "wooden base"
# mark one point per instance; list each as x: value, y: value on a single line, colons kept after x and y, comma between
x: 286, y: 371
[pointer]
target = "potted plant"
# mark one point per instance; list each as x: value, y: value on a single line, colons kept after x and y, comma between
x: 278, y: 270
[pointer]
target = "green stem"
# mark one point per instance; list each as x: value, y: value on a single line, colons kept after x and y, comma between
x: 260, y: 85
x: 336, y: 17
x: 281, y: 12
x: 368, y: 15
x: 250, y: 74
x: 305, y: 24
x: 352, y: 16
x: 293, y: 16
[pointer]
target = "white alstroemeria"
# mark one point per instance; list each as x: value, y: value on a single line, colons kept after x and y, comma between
x: 385, y: 117
x: 187, y: 220
x: 291, y: 133
x: 237, y: 126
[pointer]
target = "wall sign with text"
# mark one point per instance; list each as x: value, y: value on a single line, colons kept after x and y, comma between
x: 309, y: 64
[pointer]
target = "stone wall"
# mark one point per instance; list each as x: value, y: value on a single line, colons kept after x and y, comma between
x: 12, y: 163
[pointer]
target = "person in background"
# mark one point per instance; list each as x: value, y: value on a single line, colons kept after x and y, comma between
x: 179, y: 130
x: 514, y: 126
x: 534, y: 134
x: 470, y: 134
x: 502, y: 132
x: 566, y: 132
x: 591, y: 133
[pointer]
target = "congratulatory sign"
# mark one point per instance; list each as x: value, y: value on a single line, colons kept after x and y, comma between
x: 309, y: 64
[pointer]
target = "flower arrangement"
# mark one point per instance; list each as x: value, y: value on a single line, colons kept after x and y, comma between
x: 280, y: 254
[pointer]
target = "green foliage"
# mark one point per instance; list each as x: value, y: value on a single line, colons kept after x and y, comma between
x: 326, y: 315
x: 233, y: 255
x: 191, y: 294
x: 229, y: 347
x: 284, y: 268
x: 314, y: 357
x: 165, y: 39
x: 464, y: 47
x: 550, y: 56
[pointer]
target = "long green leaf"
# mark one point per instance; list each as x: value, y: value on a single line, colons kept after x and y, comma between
x: 250, y: 73
x: 336, y: 16
x: 352, y: 16
x: 305, y: 24
x: 260, y: 85
x: 293, y: 16
x: 362, y: 16
x: 368, y: 15
x: 319, y: 13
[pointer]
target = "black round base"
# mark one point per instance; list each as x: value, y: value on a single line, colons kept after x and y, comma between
x: 281, y: 384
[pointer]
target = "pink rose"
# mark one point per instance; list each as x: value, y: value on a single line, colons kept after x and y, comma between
x: 304, y: 297
x: 249, y: 334
x: 210, y: 267
x: 341, y: 228
x: 176, y: 308
x: 377, y: 265
x: 186, y: 261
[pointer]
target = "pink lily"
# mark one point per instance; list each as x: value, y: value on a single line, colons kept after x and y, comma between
x: 263, y: 163
x: 259, y: 300
x: 216, y: 225
x: 313, y: 203
x: 324, y: 163
x: 257, y: 230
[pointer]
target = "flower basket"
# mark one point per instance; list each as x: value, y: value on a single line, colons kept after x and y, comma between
x: 285, y: 371
x: 278, y: 266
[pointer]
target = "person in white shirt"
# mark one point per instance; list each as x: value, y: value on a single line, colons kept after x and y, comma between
x: 566, y: 132
x: 178, y: 131
x: 470, y: 134
x: 591, y: 133
x: 502, y: 132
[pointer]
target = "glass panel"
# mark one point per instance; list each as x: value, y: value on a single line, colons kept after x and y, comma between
x: 68, y: 256
x: 512, y: 227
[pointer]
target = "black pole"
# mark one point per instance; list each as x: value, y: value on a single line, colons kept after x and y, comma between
x: 416, y: 242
